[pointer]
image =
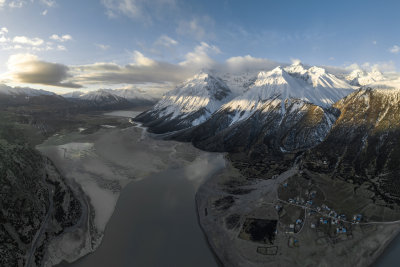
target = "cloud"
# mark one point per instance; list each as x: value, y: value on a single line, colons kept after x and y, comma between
x: 103, y: 46
x: 98, y: 67
x: 199, y: 28
x: 27, y: 41
x: 295, y: 61
x: 141, y: 60
x: 27, y: 68
x: 144, y: 70
x: 374, y: 42
x: 29, y: 44
x: 200, y: 56
x: 146, y: 10
x: 249, y: 63
x: 395, y: 49
x: 49, y: 3
x: 107, y: 73
x: 22, y: 3
x: 141, y: 71
x: 384, y: 66
x: 61, y: 38
x: 16, y: 4
x: 44, y: 13
x: 3, y: 30
x: 61, y: 48
x: 166, y: 41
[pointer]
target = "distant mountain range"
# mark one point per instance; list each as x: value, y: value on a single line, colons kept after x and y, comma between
x: 108, y: 94
x: 102, y: 98
x: 21, y: 91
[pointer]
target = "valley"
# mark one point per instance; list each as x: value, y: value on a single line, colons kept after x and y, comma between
x: 278, y: 174
x: 169, y: 133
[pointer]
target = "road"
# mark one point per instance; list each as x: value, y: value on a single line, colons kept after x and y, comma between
x: 42, y: 228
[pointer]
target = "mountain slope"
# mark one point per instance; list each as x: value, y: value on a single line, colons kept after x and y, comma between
x: 364, y: 145
x: 189, y: 104
x: 276, y: 113
x: 277, y: 125
x: 37, y: 205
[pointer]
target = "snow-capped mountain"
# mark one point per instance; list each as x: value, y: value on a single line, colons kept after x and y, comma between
x: 107, y: 97
x: 189, y: 104
x: 134, y: 94
x: 21, y: 91
x: 99, y: 97
x: 239, y: 83
x: 359, y: 77
x: 290, y: 107
x: 311, y: 85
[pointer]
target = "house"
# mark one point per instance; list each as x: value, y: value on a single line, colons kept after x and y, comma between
x: 357, y: 218
x: 341, y: 230
x: 323, y: 220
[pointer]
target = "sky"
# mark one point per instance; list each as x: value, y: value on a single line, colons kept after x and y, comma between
x: 64, y: 45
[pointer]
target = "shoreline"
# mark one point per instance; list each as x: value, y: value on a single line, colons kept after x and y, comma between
x: 385, y: 247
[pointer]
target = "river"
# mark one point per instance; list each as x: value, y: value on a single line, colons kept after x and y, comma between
x: 155, y: 220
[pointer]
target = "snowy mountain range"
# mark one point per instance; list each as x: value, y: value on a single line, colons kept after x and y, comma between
x: 286, y: 109
x: 110, y: 95
x: 311, y: 85
x: 21, y: 91
x: 206, y: 98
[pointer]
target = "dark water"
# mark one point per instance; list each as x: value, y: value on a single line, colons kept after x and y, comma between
x: 154, y: 224
x: 391, y: 255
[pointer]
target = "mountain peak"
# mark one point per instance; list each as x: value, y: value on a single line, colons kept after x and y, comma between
x: 317, y: 70
x: 359, y: 77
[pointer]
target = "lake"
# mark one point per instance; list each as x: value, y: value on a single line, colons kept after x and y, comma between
x: 155, y: 220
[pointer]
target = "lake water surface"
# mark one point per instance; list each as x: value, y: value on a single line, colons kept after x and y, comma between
x: 391, y: 255
x: 155, y: 219
x: 154, y: 224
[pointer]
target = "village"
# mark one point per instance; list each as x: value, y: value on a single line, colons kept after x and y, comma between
x: 302, y: 204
